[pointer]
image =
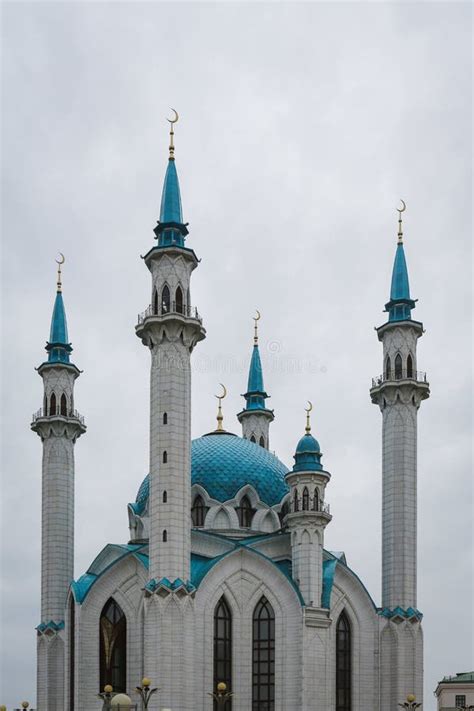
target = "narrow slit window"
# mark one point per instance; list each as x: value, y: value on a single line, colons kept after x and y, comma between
x: 398, y: 367
x: 165, y: 457
x: 305, y: 499
x: 165, y: 536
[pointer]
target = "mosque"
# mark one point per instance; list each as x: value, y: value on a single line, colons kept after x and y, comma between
x: 223, y: 576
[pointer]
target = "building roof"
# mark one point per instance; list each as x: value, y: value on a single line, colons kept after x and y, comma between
x: 58, y: 346
x: 400, y: 305
x: 223, y: 463
x: 171, y: 209
x: 308, y: 454
x: 460, y: 678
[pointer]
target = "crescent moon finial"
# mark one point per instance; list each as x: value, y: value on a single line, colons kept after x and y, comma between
x: 400, y: 228
x: 308, y: 422
x: 220, y: 417
x: 256, y: 319
x: 172, y: 122
x: 59, y: 262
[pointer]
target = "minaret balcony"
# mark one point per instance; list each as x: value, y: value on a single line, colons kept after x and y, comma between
x: 417, y: 376
x: 173, y: 310
x: 298, y: 505
x: 43, y: 414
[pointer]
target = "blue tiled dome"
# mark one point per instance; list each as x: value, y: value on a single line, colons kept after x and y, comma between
x: 308, y: 454
x: 308, y: 444
x: 222, y: 464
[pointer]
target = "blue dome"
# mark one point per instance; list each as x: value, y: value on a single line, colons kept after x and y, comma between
x: 222, y: 464
x: 308, y: 444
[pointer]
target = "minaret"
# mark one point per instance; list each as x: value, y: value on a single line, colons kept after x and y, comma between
x: 59, y: 425
x: 255, y: 418
x: 399, y: 392
x: 308, y: 516
x: 170, y: 328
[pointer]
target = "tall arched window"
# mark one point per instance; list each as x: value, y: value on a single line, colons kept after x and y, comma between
x: 388, y: 369
x: 63, y: 405
x: 398, y: 367
x: 316, y: 500
x: 263, y: 657
x: 245, y: 512
x: 165, y: 457
x: 52, y: 404
x: 165, y: 536
x: 113, y: 647
x: 165, y: 300
x: 165, y: 497
x: 179, y: 300
x: 165, y: 418
x: 409, y: 366
x: 45, y: 406
x: 262, y: 441
x: 343, y: 664
x: 283, y: 512
x: 198, y: 511
x: 305, y: 499
x: 155, y: 302
x: 295, y: 501
x: 252, y: 439
x: 223, y: 647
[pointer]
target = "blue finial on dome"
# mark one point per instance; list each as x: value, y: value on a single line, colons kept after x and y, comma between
x: 171, y: 230
x: 58, y: 346
x: 255, y: 395
x: 308, y: 452
x: 400, y: 305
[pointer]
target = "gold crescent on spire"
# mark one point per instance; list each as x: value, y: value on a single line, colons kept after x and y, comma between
x: 400, y: 228
x: 172, y: 122
x: 220, y: 417
x: 59, y: 262
x: 256, y: 319
x: 308, y: 410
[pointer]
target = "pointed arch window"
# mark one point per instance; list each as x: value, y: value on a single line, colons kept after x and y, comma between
x: 223, y: 648
x: 165, y: 457
x: 305, y: 499
x: 252, y: 439
x: 262, y: 441
x: 113, y: 646
x: 165, y: 418
x: 263, y: 657
x: 283, y: 511
x: 155, y: 301
x: 45, y: 406
x: 52, y: 404
x: 165, y: 497
x: 398, y: 367
x: 409, y: 366
x: 179, y: 300
x: 388, y: 368
x: 245, y: 512
x: 165, y: 300
x: 198, y: 512
x: 316, y: 500
x: 63, y: 405
x: 165, y: 536
x: 343, y: 664
x: 295, y: 501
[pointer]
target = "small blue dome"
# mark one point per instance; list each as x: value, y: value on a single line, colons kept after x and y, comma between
x: 222, y: 464
x: 308, y: 454
x: 308, y: 444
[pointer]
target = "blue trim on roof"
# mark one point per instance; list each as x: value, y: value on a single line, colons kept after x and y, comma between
x: 408, y: 613
x: 51, y: 625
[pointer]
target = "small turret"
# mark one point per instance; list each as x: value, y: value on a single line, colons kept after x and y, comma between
x: 309, y: 515
x: 255, y: 418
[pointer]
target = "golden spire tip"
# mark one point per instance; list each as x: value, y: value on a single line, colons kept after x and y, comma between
x: 60, y: 262
x: 256, y: 320
x: 400, y: 228
x: 220, y: 416
x: 308, y: 421
x: 172, y: 122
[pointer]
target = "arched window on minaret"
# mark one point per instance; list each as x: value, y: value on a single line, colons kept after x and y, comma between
x: 45, y: 406
x: 52, y: 404
x: 165, y: 497
x: 155, y: 301
x: 165, y: 418
x: 262, y: 441
x: 223, y: 648
x: 165, y: 536
x: 113, y: 647
x: 245, y: 512
x: 409, y: 366
x: 198, y: 512
x: 343, y: 664
x: 165, y: 300
x: 63, y: 405
x: 252, y: 439
x: 388, y: 369
x: 316, y: 500
x: 295, y: 501
x: 398, y: 367
x: 305, y: 499
x: 263, y: 657
x: 165, y: 457
x: 179, y: 300
x: 284, y: 511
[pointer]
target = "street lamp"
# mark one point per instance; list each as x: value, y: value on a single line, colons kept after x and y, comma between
x: 145, y: 692
x: 410, y: 703
x: 106, y: 697
x: 24, y: 705
x: 222, y: 696
x: 122, y: 702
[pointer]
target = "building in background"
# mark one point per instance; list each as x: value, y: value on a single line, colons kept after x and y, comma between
x: 455, y: 692
x: 222, y: 575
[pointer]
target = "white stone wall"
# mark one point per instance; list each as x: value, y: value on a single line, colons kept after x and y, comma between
x: 401, y: 661
x: 256, y: 425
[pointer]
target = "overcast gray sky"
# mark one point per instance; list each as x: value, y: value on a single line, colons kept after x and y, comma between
x: 301, y: 127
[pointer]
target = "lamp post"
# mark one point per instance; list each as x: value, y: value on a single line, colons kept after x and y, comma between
x: 145, y: 692
x: 411, y: 703
x: 24, y: 705
x: 222, y: 696
x: 106, y: 697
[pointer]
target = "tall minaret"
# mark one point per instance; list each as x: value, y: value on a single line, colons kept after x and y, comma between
x: 59, y: 425
x: 170, y: 328
x: 308, y: 516
x: 255, y: 418
x: 399, y: 392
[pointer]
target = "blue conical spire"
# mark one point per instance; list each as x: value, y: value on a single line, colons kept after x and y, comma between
x: 255, y: 395
x: 58, y: 346
x: 400, y: 305
x: 171, y: 229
